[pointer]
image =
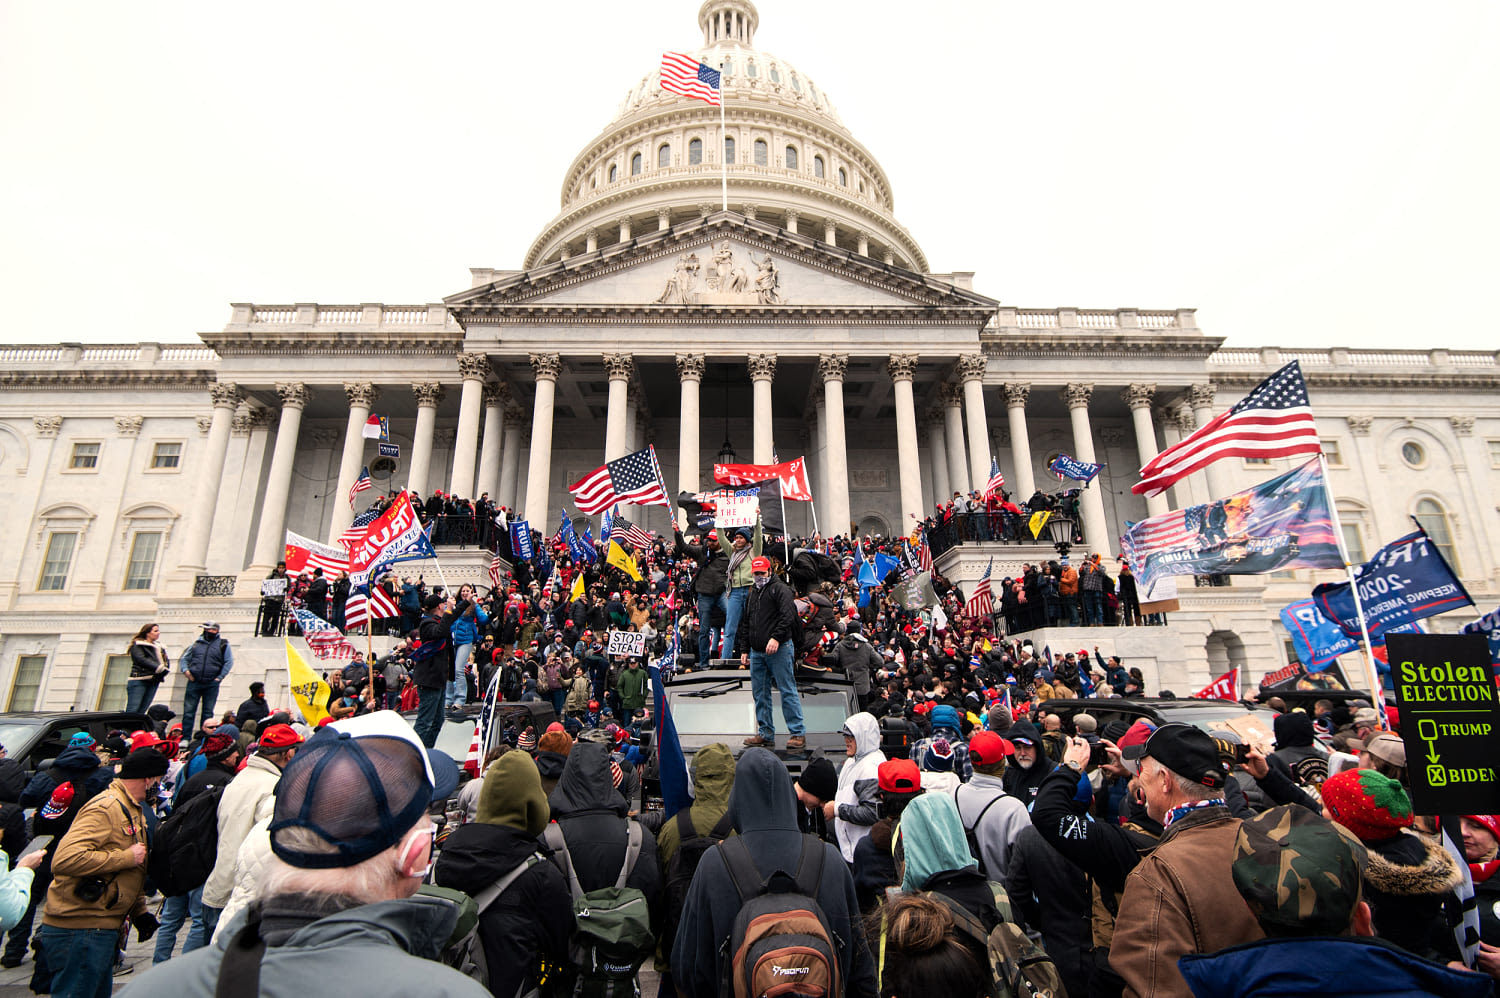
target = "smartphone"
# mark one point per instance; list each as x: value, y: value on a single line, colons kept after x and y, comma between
x: 36, y: 845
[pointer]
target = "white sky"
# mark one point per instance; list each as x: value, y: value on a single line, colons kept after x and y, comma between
x: 1302, y: 173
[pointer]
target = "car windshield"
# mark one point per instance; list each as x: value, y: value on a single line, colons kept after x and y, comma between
x: 16, y: 733
x: 735, y: 711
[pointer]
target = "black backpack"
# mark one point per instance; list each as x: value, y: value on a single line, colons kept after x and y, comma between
x: 684, y: 863
x: 971, y: 830
x: 186, y: 845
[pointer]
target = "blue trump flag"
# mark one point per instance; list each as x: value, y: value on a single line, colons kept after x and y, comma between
x: 873, y: 572
x: 1068, y: 467
x: 1318, y: 641
x: 1405, y: 581
x: 1489, y: 626
x: 520, y: 539
x: 577, y: 547
x: 671, y: 763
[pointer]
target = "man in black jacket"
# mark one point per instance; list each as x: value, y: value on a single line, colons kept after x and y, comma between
x: 432, y: 663
x: 1030, y: 764
x: 709, y: 583
x: 317, y: 595
x: 764, y: 642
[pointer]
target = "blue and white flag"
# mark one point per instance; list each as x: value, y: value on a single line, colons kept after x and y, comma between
x: 581, y: 551
x: 607, y: 524
x: 676, y: 792
x: 1407, y: 580
x: 872, y: 573
x: 520, y: 539
x: 1080, y: 471
x: 1489, y: 626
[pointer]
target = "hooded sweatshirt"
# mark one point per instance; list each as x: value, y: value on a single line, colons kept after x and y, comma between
x: 713, y: 777
x: 932, y: 840
x: 534, y: 916
x: 763, y: 810
x: 1294, y: 748
x: 859, y: 787
x: 1022, y: 783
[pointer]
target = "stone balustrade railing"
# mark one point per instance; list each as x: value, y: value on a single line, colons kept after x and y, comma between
x: 369, y: 315
x: 1011, y: 320
x: 1342, y: 357
x: 108, y: 355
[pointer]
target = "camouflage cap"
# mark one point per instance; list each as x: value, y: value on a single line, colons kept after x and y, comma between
x: 1298, y: 871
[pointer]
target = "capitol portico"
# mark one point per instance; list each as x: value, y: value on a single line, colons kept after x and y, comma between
x: 158, y: 481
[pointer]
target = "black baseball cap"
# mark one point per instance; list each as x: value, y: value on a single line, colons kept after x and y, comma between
x: 1187, y: 751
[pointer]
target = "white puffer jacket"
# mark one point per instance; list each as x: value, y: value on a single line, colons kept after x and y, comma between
x: 858, y: 801
x: 247, y: 799
x: 249, y: 871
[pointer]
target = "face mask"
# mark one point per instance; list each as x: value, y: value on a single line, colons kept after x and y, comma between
x: 761, y: 580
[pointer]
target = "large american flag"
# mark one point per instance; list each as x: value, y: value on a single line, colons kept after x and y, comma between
x: 355, y: 532
x: 1274, y: 420
x: 360, y: 485
x: 997, y: 480
x: 924, y: 554
x: 633, y: 478
x: 982, y: 603
x: 323, y: 639
x: 359, y: 609
x: 682, y: 74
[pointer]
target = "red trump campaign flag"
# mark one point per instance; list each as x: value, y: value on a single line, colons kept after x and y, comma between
x: 791, y: 474
x: 1226, y: 687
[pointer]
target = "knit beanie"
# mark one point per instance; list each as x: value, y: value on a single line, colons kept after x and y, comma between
x: 218, y: 747
x: 512, y: 795
x: 1293, y: 730
x: 527, y: 741
x: 1371, y: 805
x: 555, y: 741
x: 939, y: 757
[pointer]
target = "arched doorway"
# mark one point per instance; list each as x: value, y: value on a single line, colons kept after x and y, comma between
x: 1224, y: 650
x: 874, y: 524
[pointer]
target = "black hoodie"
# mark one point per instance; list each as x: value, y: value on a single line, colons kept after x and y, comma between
x: 592, y: 815
x: 763, y: 810
x: 1022, y: 783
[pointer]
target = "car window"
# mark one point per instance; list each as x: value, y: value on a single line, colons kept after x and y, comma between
x: 55, y: 741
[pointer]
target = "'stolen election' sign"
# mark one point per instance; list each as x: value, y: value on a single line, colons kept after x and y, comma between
x: 1449, y: 721
x: 629, y: 643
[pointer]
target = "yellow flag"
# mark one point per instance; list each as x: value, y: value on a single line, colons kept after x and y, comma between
x: 577, y: 589
x: 308, y: 688
x: 1038, y: 521
x: 617, y: 557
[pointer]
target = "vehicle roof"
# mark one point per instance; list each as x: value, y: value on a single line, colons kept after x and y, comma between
x: 65, y: 715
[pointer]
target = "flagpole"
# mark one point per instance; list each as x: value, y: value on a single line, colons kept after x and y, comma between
x: 723, y: 163
x: 1368, y: 651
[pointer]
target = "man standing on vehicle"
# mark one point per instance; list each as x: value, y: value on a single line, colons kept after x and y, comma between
x: 205, y: 662
x: 764, y: 642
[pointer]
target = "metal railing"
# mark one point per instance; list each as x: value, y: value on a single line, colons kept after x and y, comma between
x: 990, y: 528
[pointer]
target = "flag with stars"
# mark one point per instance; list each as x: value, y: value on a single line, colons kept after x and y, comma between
x: 682, y: 74
x: 982, y: 603
x: 634, y: 478
x: 997, y: 480
x: 355, y: 532
x: 1274, y: 420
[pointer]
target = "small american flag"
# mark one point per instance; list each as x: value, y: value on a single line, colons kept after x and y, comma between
x: 633, y: 478
x: 360, y: 484
x: 495, y: 565
x: 1274, y: 420
x: 323, y: 639
x: 359, y: 609
x: 626, y: 532
x: 1176, y: 529
x: 682, y: 74
x: 355, y: 532
x: 997, y: 480
x: 924, y: 554
x: 982, y: 603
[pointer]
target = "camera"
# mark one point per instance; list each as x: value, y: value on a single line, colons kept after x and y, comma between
x: 90, y: 889
x: 1098, y: 754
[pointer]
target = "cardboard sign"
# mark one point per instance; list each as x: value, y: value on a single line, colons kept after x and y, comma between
x: 628, y: 643
x: 736, y: 511
x: 1160, y: 597
x: 273, y: 587
x: 1446, y: 697
x: 1252, y: 731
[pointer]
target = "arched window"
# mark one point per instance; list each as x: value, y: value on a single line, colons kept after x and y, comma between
x: 762, y: 152
x: 695, y: 152
x: 614, y: 173
x: 727, y: 67
x: 843, y: 178
x: 750, y: 69
x: 728, y: 149
x: 664, y: 157
x: 818, y: 167
x: 791, y: 157
x: 775, y: 74
x: 1434, y: 519
x: 635, y: 165
x: 795, y: 84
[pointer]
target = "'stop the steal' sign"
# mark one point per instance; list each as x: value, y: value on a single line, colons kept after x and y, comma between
x: 631, y: 644
x: 1446, y: 697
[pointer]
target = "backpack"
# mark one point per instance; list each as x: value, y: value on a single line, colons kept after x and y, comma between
x: 684, y: 863
x: 1019, y: 967
x: 466, y: 953
x: 781, y: 940
x: 611, y: 927
x: 186, y: 845
x: 971, y: 832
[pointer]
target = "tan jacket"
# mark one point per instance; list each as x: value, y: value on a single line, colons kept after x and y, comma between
x: 1181, y: 899
x: 98, y: 845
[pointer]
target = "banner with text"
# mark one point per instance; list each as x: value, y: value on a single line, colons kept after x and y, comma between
x: 395, y: 535
x: 1405, y: 581
x: 791, y: 475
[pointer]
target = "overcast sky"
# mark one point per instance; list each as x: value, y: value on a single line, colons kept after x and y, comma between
x: 1301, y: 173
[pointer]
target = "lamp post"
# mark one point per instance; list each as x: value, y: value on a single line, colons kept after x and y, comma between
x: 1060, y: 528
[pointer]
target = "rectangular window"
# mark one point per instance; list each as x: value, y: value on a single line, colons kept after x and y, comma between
x: 116, y: 675
x: 84, y: 456
x: 1354, y: 541
x: 55, y: 565
x: 1332, y: 454
x: 1291, y: 651
x: 141, y: 570
x: 27, y: 685
x: 167, y: 455
x: 1494, y: 453
x: 1257, y: 462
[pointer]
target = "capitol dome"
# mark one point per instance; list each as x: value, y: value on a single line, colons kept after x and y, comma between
x: 791, y: 162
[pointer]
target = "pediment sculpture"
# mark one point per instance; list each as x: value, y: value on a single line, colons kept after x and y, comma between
x: 723, y: 282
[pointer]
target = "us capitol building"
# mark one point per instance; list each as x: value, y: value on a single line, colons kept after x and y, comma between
x: 155, y: 481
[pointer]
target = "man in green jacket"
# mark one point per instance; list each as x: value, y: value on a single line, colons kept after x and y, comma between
x: 631, y: 687
x: 712, y: 773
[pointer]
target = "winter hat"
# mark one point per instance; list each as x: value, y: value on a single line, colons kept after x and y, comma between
x: 1293, y: 730
x: 944, y: 716
x: 555, y: 741
x: 1371, y: 805
x: 939, y: 756
x: 819, y: 779
x: 999, y: 720
x: 527, y: 741
x: 218, y: 747
x: 143, y: 764
x: 512, y: 795
x: 81, y: 740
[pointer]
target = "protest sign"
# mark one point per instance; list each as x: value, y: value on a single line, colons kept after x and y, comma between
x: 736, y: 510
x: 1449, y: 721
x: 1160, y: 596
x: 630, y: 643
x: 273, y: 587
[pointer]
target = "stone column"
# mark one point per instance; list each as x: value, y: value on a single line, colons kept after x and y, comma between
x: 539, y: 471
x: 791, y: 224
x: 1201, y: 398
x: 616, y: 421
x: 971, y: 368
x: 428, y: 395
x: 495, y: 398
x: 510, y: 456
x: 953, y: 426
x: 902, y: 368
x: 1091, y: 501
x: 1138, y: 397
x: 663, y: 219
x: 362, y: 396
x: 690, y: 376
x: 762, y: 371
x: 270, y: 540
x: 1020, y: 441
x: 633, y: 431
x: 820, y: 486
x: 591, y: 238
x: 473, y: 368
x: 830, y: 231
x: 831, y: 370
x: 937, y: 456
x: 1176, y: 423
x: 226, y: 398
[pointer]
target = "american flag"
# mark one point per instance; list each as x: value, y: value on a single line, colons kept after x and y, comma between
x: 924, y: 554
x: 495, y: 565
x: 633, y: 478
x: 355, y: 532
x: 982, y: 603
x: 997, y: 480
x: 358, y: 610
x: 360, y: 484
x: 1274, y: 420
x: 1176, y: 529
x: 626, y: 532
x: 323, y: 639
x: 682, y: 74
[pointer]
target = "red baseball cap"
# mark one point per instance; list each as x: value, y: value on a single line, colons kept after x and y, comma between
x: 760, y: 564
x: 144, y: 739
x: 986, y: 748
x: 278, y: 737
x: 899, y: 776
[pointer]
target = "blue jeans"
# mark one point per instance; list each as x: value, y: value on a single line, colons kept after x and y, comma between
x: 81, y: 960
x: 210, y: 920
x: 1070, y: 610
x: 139, y: 694
x: 1093, y: 607
x: 559, y: 698
x: 429, y: 714
x: 734, y: 609
x: 766, y: 670
x: 706, y: 606
x: 457, y: 691
x: 175, y: 911
x: 205, y: 693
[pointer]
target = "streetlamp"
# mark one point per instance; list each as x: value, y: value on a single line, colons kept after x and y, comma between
x: 1061, y: 530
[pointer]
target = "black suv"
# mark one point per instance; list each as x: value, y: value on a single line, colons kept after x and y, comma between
x: 1203, y: 713
x: 35, y: 736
